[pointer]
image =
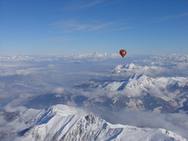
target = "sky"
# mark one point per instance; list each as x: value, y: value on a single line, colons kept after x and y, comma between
x: 58, y: 27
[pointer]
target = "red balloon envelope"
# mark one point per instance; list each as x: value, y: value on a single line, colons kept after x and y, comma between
x: 122, y: 52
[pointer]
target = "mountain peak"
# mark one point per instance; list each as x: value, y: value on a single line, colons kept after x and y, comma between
x: 66, y: 123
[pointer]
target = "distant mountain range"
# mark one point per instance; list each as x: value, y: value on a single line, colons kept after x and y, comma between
x: 150, y: 93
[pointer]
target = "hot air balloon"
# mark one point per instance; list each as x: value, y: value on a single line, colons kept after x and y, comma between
x: 122, y: 52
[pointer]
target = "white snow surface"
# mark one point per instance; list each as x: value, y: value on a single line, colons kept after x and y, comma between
x: 61, y: 122
x: 156, y: 86
x: 138, y: 69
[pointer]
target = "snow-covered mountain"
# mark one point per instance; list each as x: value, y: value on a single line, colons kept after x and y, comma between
x: 138, y: 69
x: 37, y: 58
x: 67, y: 123
x: 142, y: 92
x: 142, y: 84
x: 165, y: 93
x: 156, y: 86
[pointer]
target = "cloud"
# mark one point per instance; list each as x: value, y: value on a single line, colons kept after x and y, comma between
x: 172, y: 17
x: 73, y: 25
x: 84, y: 4
x: 59, y: 90
x: 89, y: 26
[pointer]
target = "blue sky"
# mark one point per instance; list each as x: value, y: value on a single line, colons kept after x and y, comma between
x: 76, y: 26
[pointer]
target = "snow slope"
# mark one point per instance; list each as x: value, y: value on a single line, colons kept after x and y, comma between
x: 62, y: 122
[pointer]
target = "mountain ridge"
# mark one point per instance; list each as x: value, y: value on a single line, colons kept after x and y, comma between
x: 61, y: 122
